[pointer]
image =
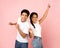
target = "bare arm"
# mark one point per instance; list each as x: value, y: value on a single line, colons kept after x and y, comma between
x: 44, y: 15
x: 17, y: 27
x: 21, y: 33
x: 31, y: 33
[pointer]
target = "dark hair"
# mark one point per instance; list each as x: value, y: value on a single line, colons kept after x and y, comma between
x: 26, y: 11
x: 31, y: 15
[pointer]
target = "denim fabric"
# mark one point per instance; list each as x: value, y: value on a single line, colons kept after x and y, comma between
x: 20, y: 45
x: 37, y: 42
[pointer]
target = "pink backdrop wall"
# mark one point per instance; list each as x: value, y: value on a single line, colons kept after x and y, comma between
x: 10, y: 10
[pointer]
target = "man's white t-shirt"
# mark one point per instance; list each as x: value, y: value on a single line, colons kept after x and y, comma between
x: 37, y: 29
x: 24, y: 26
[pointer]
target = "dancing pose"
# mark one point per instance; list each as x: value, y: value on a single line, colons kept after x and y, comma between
x: 22, y: 27
x: 35, y: 25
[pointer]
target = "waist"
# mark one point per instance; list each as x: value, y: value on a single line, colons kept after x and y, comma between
x: 36, y: 37
x: 20, y: 42
x: 21, y: 39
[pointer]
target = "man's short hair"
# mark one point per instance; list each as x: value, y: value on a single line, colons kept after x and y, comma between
x: 25, y: 11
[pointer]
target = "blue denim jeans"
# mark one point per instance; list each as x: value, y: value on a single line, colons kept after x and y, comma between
x: 37, y: 42
x: 20, y: 45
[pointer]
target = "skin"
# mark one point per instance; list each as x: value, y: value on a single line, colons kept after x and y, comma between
x: 24, y: 18
x: 35, y: 18
x: 31, y: 33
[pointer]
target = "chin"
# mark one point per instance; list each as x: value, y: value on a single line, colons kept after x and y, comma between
x: 36, y: 21
x: 23, y: 20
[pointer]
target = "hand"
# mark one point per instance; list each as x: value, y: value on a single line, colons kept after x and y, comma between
x: 30, y: 30
x: 49, y: 6
x: 16, y: 26
x: 12, y: 23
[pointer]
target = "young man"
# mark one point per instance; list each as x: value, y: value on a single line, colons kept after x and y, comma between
x: 23, y: 30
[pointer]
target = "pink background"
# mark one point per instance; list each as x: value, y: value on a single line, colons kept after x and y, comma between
x: 10, y: 10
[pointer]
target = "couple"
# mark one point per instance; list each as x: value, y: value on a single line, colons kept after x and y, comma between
x: 31, y: 29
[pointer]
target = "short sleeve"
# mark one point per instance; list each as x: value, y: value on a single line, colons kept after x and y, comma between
x: 18, y: 21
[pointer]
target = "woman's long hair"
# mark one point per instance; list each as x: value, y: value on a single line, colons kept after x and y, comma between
x: 31, y: 15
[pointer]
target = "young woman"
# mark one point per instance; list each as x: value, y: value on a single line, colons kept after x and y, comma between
x: 35, y: 25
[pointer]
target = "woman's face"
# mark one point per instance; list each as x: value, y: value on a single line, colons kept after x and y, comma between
x: 34, y: 18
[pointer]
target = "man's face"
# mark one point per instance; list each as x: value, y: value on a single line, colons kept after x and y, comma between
x: 24, y: 17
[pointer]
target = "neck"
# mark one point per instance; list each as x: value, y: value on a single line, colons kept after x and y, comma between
x: 23, y: 21
x: 34, y: 22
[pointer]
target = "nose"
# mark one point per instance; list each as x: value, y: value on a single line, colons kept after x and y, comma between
x: 23, y: 17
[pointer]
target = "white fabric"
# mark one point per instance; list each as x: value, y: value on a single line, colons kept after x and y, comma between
x: 37, y: 29
x: 24, y: 26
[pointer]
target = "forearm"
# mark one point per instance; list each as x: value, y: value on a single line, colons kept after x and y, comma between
x: 14, y: 23
x: 44, y: 16
x: 11, y: 23
x: 21, y: 33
